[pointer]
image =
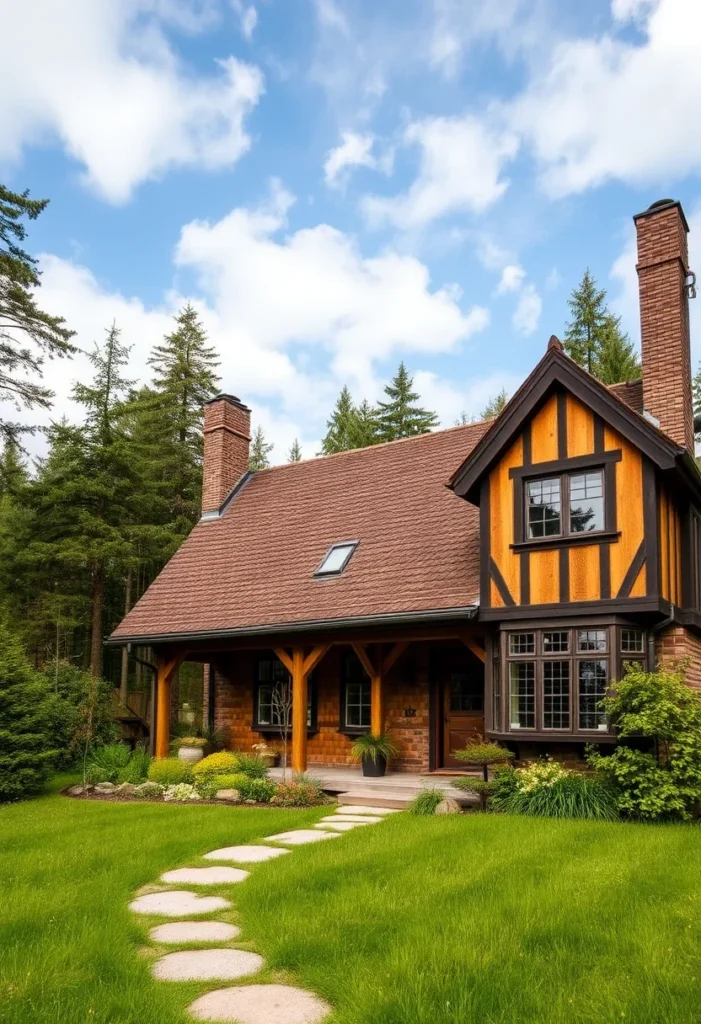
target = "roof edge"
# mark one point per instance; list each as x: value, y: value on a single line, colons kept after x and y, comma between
x: 268, y: 629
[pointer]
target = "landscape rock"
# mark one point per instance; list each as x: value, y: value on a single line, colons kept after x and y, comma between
x: 207, y: 965
x: 261, y: 1004
x: 449, y: 806
x: 79, y: 790
x: 249, y: 801
x: 177, y: 903
x: 194, y: 931
x: 105, y: 787
x: 246, y: 854
x: 126, y: 789
x: 229, y: 796
x: 148, y: 789
x: 205, y: 876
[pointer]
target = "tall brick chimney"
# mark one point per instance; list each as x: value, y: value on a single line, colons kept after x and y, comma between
x: 663, y: 269
x: 227, y: 429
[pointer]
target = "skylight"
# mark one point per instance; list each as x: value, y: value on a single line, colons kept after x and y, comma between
x: 336, y: 558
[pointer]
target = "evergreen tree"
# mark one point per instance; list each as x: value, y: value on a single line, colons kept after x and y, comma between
x: 616, y: 358
x: 363, y: 429
x: 295, y: 452
x: 341, y: 427
x: 582, y: 335
x: 260, y: 450
x: 26, y: 756
x: 400, y: 416
x: 495, y: 405
x: 21, y: 320
x: 13, y: 471
x: 696, y: 394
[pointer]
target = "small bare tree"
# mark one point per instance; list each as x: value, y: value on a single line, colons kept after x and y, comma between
x: 282, y: 712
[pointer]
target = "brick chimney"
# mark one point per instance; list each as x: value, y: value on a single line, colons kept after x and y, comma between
x: 227, y: 429
x: 663, y: 269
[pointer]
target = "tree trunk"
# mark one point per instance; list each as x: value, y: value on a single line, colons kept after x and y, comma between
x: 98, y: 601
x: 124, y: 680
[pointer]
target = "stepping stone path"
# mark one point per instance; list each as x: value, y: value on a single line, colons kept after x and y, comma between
x: 244, y: 1004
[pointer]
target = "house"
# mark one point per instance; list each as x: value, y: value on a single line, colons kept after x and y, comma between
x: 489, y: 579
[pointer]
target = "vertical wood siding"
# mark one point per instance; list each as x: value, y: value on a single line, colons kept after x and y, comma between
x: 629, y: 504
x: 501, y: 505
x: 670, y: 538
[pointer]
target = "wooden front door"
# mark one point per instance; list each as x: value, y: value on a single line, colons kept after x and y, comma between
x: 463, y: 708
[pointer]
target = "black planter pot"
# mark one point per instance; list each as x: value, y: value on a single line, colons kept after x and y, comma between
x: 374, y: 769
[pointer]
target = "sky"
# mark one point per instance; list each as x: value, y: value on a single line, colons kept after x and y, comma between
x: 338, y: 185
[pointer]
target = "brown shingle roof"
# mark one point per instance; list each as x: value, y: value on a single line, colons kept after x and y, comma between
x: 254, y: 566
x: 630, y: 392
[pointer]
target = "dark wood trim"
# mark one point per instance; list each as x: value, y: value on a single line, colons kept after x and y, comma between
x: 633, y: 571
x: 599, y: 440
x: 604, y: 571
x: 500, y: 583
x: 556, y: 466
x: 519, y: 509
x: 564, y: 574
x: 525, y: 573
x: 553, y: 736
x: 623, y: 606
x: 485, y: 544
x: 610, y: 502
x: 651, y: 528
x: 567, y: 540
x: 527, y: 445
x: 561, y: 425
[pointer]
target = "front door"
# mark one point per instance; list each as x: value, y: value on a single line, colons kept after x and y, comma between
x: 463, y: 707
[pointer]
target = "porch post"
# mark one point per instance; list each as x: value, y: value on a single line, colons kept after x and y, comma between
x: 299, y: 711
x: 377, y: 715
x: 165, y: 670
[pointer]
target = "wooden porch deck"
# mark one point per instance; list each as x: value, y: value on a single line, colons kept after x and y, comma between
x: 396, y: 789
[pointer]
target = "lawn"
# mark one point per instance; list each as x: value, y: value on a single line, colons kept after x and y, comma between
x: 484, y: 919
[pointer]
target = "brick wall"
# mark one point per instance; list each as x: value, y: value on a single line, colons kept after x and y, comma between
x: 227, y: 428
x: 680, y: 645
x: 664, y: 320
x: 407, y: 687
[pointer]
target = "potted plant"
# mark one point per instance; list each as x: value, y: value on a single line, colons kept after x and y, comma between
x: 373, y: 752
x: 190, y: 748
x: 270, y: 755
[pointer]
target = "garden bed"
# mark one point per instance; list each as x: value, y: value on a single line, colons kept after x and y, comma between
x: 129, y: 798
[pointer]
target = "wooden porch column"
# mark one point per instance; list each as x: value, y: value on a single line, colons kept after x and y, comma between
x: 165, y: 670
x: 300, y: 668
x: 377, y: 669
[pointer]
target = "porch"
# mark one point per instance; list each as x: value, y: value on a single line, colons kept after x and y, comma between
x: 395, y: 789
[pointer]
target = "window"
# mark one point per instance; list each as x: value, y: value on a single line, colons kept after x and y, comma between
x: 632, y: 641
x: 522, y: 643
x: 593, y: 679
x: 496, y: 693
x: 592, y: 639
x: 556, y: 641
x: 581, y: 495
x: 522, y: 697
x: 356, y: 696
x: 466, y: 691
x: 556, y: 694
x: 274, y: 697
x: 336, y: 559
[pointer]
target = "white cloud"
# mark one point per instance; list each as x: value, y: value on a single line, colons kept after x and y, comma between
x: 461, y: 162
x: 526, y: 316
x: 293, y: 316
x: 450, y: 400
x: 248, y: 17
x: 609, y: 108
x: 553, y: 280
x: 458, y: 26
x: 331, y: 16
x: 101, y: 78
x: 512, y: 277
x: 354, y: 150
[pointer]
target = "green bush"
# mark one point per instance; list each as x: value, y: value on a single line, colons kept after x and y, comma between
x: 169, y: 771
x: 26, y: 737
x: 68, y: 686
x: 426, y: 801
x: 260, y: 790
x: 666, y: 784
x: 105, y: 763
x: 136, y: 770
x: 252, y: 765
x: 303, y: 791
x: 221, y: 763
x: 545, y: 789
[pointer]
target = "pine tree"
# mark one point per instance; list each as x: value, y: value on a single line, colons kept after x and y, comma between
x: 26, y: 756
x: 13, y: 471
x: 260, y: 450
x: 21, y: 320
x: 363, y: 428
x: 495, y: 405
x: 616, y: 359
x: 400, y: 416
x: 295, y: 452
x: 341, y: 427
x: 582, y: 335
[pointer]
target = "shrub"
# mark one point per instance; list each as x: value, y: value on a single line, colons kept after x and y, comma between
x: 105, y: 763
x: 26, y: 738
x: 426, y: 801
x: 260, y: 790
x: 69, y: 686
x: 303, y: 791
x: 547, y: 790
x: 169, y: 771
x: 137, y: 767
x: 181, y: 792
x: 252, y: 765
x: 485, y: 755
x: 148, y: 789
x: 665, y: 784
x: 221, y: 763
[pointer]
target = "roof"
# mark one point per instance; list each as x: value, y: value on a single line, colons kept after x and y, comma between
x: 252, y: 569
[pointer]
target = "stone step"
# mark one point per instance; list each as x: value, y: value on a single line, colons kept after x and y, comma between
x: 399, y: 799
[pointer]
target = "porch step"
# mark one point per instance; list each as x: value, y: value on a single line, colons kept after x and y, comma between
x: 397, y: 799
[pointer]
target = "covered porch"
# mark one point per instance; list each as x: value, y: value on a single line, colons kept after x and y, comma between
x: 425, y: 686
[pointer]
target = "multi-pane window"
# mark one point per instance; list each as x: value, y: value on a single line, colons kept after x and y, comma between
x: 274, y: 696
x: 593, y: 680
x: 466, y: 691
x: 560, y: 506
x: 356, y: 698
x: 522, y: 694
x: 556, y: 641
x: 632, y: 641
x: 592, y: 639
x: 556, y: 694
x: 522, y: 643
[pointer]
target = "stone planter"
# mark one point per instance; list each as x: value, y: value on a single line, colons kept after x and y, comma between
x: 190, y: 754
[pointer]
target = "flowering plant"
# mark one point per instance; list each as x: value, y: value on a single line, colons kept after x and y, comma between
x: 543, y: 774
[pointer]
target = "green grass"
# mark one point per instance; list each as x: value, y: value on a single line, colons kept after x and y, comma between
x: 452, y: 920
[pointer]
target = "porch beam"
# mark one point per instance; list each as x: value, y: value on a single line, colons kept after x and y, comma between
x: 364, y: 658
x: 479, y: 652
x: 299, y: 711
x: 394, y: 655
x: 166, y: 667
x: 284, y: 657
x: 314, y: 657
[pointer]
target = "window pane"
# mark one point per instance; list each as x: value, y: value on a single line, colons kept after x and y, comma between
x: 556, y: 641
x: 587, y: 502
x: 357, y: 705
x: 522, y: 643
x: 466, y: 692
x: 336, y: 559
x: 556, y: 694
x: 632, y: 641
x: 522, y: 703
x: 543, y: 507
x: 496, y: 693
x: 593, y: 677
x: 591, y: 640
x: 265, y: 705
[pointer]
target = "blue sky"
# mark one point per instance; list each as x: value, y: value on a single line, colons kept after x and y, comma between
x: 341, y: 184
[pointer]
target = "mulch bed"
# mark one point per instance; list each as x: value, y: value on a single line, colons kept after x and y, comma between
x: 125, y: 798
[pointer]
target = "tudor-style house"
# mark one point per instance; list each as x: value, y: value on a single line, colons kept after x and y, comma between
x: 489, y: 579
